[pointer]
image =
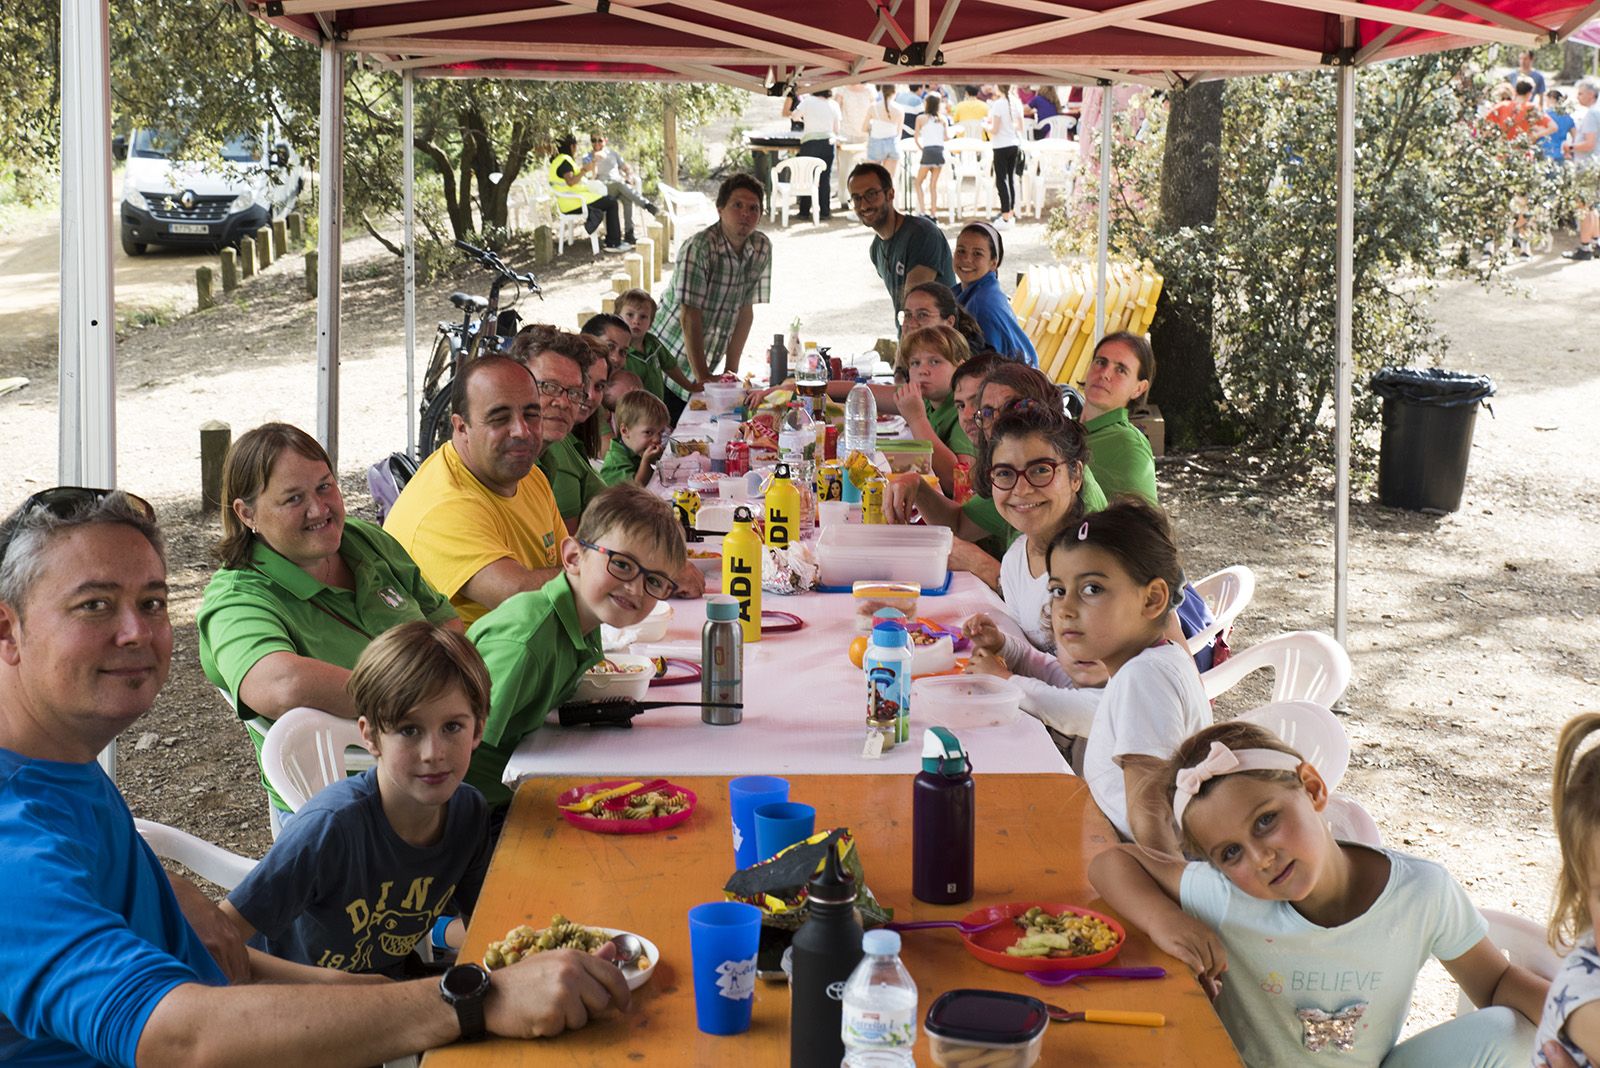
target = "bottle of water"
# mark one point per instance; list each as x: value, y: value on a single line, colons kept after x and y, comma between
x: 880, y: 1007
x: 861, y: 421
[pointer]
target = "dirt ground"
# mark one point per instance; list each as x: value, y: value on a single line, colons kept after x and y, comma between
x: 1474, y: 635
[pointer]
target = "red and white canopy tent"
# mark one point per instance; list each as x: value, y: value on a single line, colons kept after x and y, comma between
x: 751, y: 44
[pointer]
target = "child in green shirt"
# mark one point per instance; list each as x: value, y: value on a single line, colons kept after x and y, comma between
x: 648, y: 357
x: 640, y: 422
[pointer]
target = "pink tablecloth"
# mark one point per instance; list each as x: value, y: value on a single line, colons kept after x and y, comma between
x: 805, y: 710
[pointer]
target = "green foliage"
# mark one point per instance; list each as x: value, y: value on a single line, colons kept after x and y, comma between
x: 1432, y: 185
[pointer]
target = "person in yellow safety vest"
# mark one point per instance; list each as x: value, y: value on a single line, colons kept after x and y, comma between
x: 573, y: 195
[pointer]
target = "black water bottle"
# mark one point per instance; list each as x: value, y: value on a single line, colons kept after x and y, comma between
x: 777, y: 362
x: 943, y: 822
x: 827, y: 948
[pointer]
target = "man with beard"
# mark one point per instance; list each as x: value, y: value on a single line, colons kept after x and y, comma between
x: 478, y: 517
x: 907, y: 250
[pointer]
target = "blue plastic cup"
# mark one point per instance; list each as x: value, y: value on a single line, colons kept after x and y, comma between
x: 723, y: 938
x: 781, y: 825
x: 745, y: 795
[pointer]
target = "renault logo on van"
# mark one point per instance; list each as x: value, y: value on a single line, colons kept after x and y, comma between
x: 186, y: 199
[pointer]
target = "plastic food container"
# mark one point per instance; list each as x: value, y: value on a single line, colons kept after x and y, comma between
x: 965, y: 702
x: 987, y: 1027
x: 908, y: 454
x: 723, y: 397
x: 848, y: 553
x: 631, y: 681
x: 871, y: 595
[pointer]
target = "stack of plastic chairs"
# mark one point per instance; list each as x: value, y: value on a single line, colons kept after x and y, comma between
x: 1055, y: 305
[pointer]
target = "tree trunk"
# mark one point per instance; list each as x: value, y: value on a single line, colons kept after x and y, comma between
x: 1573, y: 59
x: 1186, y: 387
x: 669, y: 138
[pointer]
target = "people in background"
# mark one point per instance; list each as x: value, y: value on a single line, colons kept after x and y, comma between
x: 647, y: 357
x: 1584, y: 151
x: 970, y: 109
x: 1119, y: 376
x: 820, y: 122
x: 885, y: 126
x: 575, y: 197
x: 931, y: 133
x: 622, y: 185
x: 1525, y: 70
x: 1005, y: 137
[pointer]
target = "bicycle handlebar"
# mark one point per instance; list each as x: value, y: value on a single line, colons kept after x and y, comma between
x: 492, y: 262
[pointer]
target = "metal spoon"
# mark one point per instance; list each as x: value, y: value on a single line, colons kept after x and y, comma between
x: 1105, y: 1016
x: 629, y: 950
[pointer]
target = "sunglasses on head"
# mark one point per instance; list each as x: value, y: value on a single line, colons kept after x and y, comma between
x: 63, y: 502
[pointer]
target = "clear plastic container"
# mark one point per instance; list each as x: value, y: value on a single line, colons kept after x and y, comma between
x: 628, y: 676
x: 987, y: 1027
x: 723, y: 397
x: 848, y: 553
x: 870, y: 596
x: 964, y: 702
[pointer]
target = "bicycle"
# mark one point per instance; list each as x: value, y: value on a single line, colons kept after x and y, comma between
x: 484, y: 328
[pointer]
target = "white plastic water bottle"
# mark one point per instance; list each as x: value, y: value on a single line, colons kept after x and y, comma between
x: 879, y: 1025
x: 860, y: 421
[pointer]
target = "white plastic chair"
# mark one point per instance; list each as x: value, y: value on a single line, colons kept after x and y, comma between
x: 1306, y: 666
x: 1312, y: 731
x: 972, y: 128
x: 1524, y: 943
x: 1058, y: 167
x: 305, y: 752
x: 1227, y: 592
x: 795, y: 177
x: 1057, y: 127
x: 688, y: 211
x: 206, y: 860
x: 570, y: 230
x: 966, y: 159
x: 1350, y: 822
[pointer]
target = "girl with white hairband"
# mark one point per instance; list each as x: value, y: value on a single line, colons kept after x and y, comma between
x: 1321, y: 939
x: 979, y: 251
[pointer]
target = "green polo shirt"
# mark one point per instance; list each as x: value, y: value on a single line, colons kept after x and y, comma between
x: 572, y: 479
x: 535, y: 653
x: 621, y: 464
x: 981, y: 510
x: 1120, y: 456
x: 945, y: 424
x: 646, y: 363
x: 272, y: 605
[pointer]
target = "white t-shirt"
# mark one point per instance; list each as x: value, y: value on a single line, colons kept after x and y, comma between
x: 1576, y: 984
x: 1152, y: 704
x: 887, y: 120
x: 1361, y: 973
x: 1007, y: 116
x: 855, y: 103
x: 818, y: 115
x: 932, y: 132
x: 1027, y: 597
x: 1587, y: 125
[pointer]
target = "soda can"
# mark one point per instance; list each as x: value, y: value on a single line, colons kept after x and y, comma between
x: 738, y: 461
x: 687, y: 503
x: 835, y: 368
x: 872, y: 500
x: 830, y: 481
x: 961, y: 479
x: 830, y: 442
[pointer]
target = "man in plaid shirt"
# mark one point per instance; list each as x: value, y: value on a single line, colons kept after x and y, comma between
x: 722, y: 272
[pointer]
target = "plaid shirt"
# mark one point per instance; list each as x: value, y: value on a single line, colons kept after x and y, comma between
x: 719, y: 280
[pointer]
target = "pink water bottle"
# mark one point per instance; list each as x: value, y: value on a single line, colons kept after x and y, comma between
x: 943, y: 821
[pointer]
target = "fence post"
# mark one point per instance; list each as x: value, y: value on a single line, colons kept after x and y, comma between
x: 647, y: 258
x: 544, y: 245
x: 311, y: 274
x: 608, y: 304
x: 297, y: 228
x: 633, y: 263
x: 263, y: 248
x: 247, y: 258
x: 658, y: 235
x: 585, y: 315
x: 280, y: 239
x: 215, y: 437
x: 620, y: 282
x: 202, y: 284
x: 230, y: 270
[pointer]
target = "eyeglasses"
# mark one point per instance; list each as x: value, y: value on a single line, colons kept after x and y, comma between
x: 870, y: 196
x: 1039, y: 473
x: 574, y: 394
x: 62, y: 502
x: 986, y: 415
x: 625, y: 568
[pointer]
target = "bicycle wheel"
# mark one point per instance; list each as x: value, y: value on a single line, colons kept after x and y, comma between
x: 440, y: 363
x: 434, y: 430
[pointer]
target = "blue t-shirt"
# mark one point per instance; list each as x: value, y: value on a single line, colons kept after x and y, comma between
x: 1284, y: 970
x: 340, y: 889
x: 990, y: 307
x: 94, y: 937
x: 1551, y: 143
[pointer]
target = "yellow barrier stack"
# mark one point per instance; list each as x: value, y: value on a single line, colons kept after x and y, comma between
x: 1054, y: 303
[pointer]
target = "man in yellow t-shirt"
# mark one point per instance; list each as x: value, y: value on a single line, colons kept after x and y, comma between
x: 971, y: 106
x: 478, y: 517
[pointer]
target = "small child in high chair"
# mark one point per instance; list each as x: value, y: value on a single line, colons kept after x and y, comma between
x: 1569, y: 1032
x: 641, y: 421
x: 369, y: 866
x: 1321, y: 939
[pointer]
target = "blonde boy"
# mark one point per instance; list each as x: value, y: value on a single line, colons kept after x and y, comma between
x: 367, y: 868
x: 537, y: 645
x: 641, y: 422
x: 648, y: 357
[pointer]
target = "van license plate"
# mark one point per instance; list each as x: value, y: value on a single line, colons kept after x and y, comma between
x: 189, y: 228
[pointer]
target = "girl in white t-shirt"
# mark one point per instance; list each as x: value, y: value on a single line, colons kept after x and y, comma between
x: 1114, y: 581
x: 1032, y: 466
x: 932, y: 126
x: 884, y: 124
x: 1321, y: 940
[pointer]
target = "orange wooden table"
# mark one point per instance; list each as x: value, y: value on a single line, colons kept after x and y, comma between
x: 1036, y: 834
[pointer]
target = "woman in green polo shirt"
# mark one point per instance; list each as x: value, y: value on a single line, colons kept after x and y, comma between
x: 1120, y: 372
x: 302, y: 588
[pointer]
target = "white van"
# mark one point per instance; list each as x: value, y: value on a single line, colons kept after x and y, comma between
x: 177, y: 202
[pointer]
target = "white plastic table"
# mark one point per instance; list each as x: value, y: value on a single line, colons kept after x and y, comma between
x: 805, y: 709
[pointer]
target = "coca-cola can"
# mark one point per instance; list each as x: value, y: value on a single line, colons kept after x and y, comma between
x: 835, y: 368
x: 738, y: 462
x: 830, y: 442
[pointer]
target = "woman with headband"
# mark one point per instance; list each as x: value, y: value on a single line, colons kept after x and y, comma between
x: 979, y: 251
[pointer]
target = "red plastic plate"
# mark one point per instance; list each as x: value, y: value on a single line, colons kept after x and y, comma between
x: 677, y: 671
x: 990, y: 946
x: 775, y: 622
x: 600, y: 826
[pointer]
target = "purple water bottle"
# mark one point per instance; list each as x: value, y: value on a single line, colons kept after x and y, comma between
x: 943, y: 821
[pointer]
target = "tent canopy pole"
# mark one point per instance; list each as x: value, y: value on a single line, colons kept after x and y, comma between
x: 408, y: 180
x: 1103, y: 254
x: 330, y: 228
x: 1344, y: 360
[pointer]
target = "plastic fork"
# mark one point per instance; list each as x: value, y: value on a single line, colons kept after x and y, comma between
x: 961, y: 925
x: 1062, y: 978
x: 1107, y: 1016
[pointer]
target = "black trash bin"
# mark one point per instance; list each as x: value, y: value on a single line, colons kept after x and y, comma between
x: 1427, y: 435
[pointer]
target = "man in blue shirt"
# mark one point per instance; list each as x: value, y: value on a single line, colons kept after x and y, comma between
x: 100, y: 964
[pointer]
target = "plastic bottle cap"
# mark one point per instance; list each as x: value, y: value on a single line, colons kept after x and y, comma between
x: 722, y: 608
x: 781, y: 471
x: 890, y: 635
x: 887, y: 615
x: 942, y: 753
x: 881, y: 943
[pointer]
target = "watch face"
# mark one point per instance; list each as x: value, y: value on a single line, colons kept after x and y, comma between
x: 464, y: 981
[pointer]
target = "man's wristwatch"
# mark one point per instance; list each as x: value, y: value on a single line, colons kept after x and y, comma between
x: 464, y: 987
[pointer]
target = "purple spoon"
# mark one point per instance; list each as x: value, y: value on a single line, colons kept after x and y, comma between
x: 1061, y: 978
x: 961, y: 925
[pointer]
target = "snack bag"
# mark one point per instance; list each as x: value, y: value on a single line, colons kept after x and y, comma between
x: 777, y: 886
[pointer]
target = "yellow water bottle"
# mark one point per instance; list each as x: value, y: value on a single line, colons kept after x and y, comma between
x: 741, y: 572
x: 783, y: 509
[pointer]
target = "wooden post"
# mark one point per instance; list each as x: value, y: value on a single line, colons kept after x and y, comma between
x: 633, y: 263
x: 658, y: 235
x: 263, y: 248
x: 215, y: 437
x: 608, y: 304
x: 544, y: 245
x: 247, y: 258
x: 230, y: 270
x: 202, y: 284
x: 620, y: 282
x: 585, y: 315
x: 280, y: 239
x: 311, y: 274
x: 297, y: 228
x: 647, y: 260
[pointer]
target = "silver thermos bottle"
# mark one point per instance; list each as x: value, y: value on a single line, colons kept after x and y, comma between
x: 721, y: 661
